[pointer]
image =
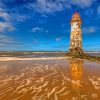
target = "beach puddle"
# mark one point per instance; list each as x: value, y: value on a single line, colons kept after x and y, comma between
x: 58, y: 79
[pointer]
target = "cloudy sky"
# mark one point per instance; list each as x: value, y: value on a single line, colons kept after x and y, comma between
x: 37, y: 25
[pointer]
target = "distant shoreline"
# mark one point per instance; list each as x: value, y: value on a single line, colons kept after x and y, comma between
x: 43, y: 53
x: 50, y: 51
x: 12, y: 56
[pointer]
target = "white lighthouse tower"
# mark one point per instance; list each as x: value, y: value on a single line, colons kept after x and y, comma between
x: 76, y: 33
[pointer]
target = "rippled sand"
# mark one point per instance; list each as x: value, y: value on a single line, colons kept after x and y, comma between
x: 49, y: 79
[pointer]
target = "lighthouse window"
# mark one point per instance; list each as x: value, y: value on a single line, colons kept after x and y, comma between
x: 77, y: 37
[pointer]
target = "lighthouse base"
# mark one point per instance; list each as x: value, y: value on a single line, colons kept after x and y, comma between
x: 76, y: 52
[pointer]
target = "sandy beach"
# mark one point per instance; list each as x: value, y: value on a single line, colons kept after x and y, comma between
x: 26, y: 59
x: 49, y: 78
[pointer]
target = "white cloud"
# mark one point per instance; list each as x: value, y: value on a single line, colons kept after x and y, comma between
x: 6, y: 24
x: 5, y: 16
x: 50, y: 6
x: 82, y: 3
x: 5, y: 39
x: 37, y: 29
x: 90, y: 29
x: 19, y: 17
x: 59, y: 39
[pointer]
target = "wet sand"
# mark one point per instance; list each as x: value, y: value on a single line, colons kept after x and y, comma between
x: 49, y: 79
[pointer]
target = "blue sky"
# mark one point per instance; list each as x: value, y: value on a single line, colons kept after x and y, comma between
x: 36, y: 25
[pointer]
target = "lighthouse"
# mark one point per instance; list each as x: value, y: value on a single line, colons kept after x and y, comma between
x: 76, y: 33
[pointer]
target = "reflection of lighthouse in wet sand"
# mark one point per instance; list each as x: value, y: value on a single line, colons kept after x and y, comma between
x: 76, y: 33
x: 76, y: 67
x: 76, y: 72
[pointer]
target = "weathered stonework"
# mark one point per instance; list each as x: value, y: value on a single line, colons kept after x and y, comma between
x: 76, y: 50
x: 76, y: 33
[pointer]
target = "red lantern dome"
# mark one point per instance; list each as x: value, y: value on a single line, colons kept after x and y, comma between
x: 76, y: 17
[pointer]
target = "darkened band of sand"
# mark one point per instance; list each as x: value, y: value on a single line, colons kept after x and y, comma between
x: 20, y: 59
